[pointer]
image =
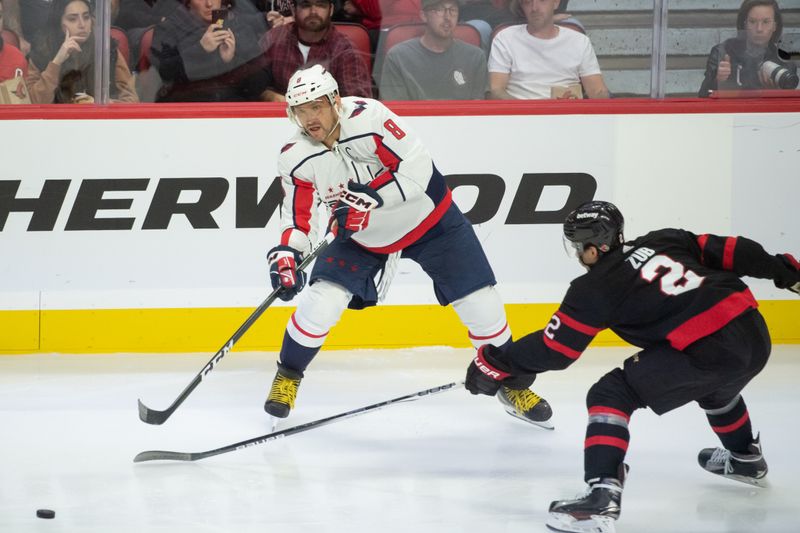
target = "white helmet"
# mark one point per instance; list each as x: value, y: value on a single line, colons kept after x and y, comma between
x: 306, y: 85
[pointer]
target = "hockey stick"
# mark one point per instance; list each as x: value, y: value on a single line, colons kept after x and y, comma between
x: 153, y: 416
x: 158, y: 455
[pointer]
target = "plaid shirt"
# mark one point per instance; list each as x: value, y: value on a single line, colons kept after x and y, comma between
x: 334, y: 52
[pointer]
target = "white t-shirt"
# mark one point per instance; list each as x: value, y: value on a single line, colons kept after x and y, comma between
x: 535, y: 65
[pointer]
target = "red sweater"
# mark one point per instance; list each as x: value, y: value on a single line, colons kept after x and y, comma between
x: 11, y: 59
x: 371, y: 13
x: 400, y: 12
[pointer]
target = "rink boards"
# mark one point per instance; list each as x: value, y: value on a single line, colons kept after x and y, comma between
x: 146, y: 228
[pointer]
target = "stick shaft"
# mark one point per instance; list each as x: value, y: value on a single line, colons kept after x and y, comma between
x: 158, y: 455
x: 154, y: 416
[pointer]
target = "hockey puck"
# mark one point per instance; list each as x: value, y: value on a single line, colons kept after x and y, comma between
x: 45, y: 513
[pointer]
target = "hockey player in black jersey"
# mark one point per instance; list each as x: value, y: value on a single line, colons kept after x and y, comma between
x: 677, y: 296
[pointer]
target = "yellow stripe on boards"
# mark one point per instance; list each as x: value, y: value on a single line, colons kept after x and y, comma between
x: 19, y: 331
x: 205, y: 330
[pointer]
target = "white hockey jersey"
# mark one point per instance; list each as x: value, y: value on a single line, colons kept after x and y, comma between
x: 375, y: 147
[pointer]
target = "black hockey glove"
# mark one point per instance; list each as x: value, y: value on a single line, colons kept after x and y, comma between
x: 283, y: 261
x: 351, y: 211
x: 789, y: 278
x: 485, y: 372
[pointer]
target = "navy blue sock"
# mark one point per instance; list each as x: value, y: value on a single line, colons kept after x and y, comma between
x: 294, y: 355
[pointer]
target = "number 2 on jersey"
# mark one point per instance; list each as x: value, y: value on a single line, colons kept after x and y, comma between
x: 677, y: 280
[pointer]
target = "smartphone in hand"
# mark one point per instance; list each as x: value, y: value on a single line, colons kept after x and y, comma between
x: 218, y: 17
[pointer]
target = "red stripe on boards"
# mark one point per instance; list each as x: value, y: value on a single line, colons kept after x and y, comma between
x: 259, y: 110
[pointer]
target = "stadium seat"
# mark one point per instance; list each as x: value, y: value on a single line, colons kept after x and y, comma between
x: 11, y: 37
x: 144, y: 50
x: 119, y: 35
x: 359, y: 38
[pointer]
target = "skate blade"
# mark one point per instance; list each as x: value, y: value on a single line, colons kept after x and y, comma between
x: 565, y: 523
x: 753, y: 482
x: 544, y: 424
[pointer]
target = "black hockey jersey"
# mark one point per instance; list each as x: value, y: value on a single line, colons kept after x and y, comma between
x: 669, y: 286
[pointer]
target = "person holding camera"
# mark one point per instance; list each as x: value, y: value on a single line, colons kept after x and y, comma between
x: 752, y: 60
x: 205, y: 53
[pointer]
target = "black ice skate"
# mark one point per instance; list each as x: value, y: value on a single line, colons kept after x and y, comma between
x: 526, y: 405
x: 593, y: 512
x: 750, y: 468
x: 283, y: 392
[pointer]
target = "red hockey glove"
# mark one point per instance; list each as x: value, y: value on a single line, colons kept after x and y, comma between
x: 351, y: 211
x: 283, y: 261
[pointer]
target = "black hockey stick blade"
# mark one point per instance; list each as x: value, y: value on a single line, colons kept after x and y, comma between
x: 156, y: 417
x: 159, y: 455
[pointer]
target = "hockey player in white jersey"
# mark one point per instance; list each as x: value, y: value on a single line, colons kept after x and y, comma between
x: 357, y: 148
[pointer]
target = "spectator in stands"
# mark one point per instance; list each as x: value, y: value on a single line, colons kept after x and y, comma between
x: 144, y: 13
x: 205, y: 60
x: 280, y: 12
x: 137, y: 16
x: 12, y: 60
x: 62, y: 63
x: 364, y: 12
x: 494, y: 12
x: 543, y: 60
x: 752, y: 60
x: 437, y: 66
x: 485, y: 16
x: 13, y: 22
x: 27, y: 17
x: 313, y: 39
x: 394, y: 12
x: 508, y: 11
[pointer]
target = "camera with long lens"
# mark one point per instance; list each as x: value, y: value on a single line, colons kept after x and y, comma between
x: 779, y: 76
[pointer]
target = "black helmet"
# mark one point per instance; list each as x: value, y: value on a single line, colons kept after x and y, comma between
x: 597, y: 223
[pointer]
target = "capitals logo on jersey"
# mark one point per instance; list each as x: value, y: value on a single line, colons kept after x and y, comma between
x: 361, y: 105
